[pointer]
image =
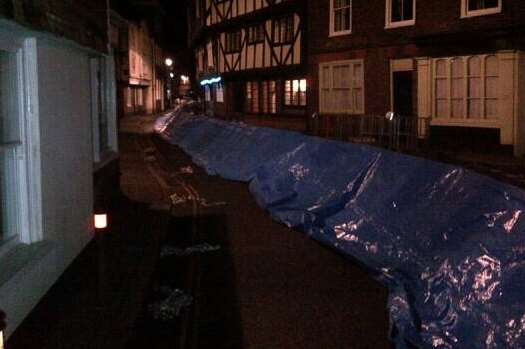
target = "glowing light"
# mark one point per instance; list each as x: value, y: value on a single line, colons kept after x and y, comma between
x: 101, y: 222
x: 211, y: 81
x: 389, y: 115
x: 185, y: 79
x: 169, y: 62
x: 296, y: 86
x: 1, y: 339
x: 302, y: 85
x: 172, y: 75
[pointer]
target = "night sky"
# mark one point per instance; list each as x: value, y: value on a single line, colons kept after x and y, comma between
x: 168, y: 19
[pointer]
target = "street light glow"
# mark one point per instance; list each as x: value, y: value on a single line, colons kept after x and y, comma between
x: 169, y: 62
x: 172, y: 75
x: 185, y: 79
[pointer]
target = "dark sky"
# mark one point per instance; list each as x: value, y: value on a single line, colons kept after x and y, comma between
x: 169, y: 21
x: 175, y: 24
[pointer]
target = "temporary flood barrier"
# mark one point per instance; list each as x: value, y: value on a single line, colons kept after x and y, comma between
x: 449, y: 243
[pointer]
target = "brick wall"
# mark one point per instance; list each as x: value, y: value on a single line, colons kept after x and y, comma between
x: 83, y: 21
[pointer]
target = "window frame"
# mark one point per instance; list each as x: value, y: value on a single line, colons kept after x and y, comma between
x: 466, y: 13
x: 288, y: 37
x: 484, y: 118
x: 259, y: 97
x: 27, y: 220
x: 301, y: 101
x: 352, y: 86
x: 332, y: 31
x: 389, y: 24
x: 229, y: 38
x: 251, y: 34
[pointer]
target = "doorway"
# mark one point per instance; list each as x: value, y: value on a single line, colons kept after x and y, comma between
x: 402, y: 93
x: 238, y: 97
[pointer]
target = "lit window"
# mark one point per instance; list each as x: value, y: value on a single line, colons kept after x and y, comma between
x: 471, y: 8
x: 219, y: 93
x: 207, y: 93
x: 340, y: 17
x: 466, y: 87
x: 400, y: 13
x: 295, y: 92
x: 261, y: 97
x: 341, y: 87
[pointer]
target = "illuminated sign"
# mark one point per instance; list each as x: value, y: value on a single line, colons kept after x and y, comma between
x: 211, y: 81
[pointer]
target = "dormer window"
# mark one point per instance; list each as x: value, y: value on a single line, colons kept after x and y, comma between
x: 340, y: 17
x: 400, y: 13
x: 473, y: 8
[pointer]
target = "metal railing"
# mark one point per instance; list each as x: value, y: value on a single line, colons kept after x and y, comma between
x: 396, y: 132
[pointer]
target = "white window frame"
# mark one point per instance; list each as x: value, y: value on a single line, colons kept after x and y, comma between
x: 465, y: 120
x: 27, y: 215
x: 465, y: 13
x: 354, y: 81
x: 333, y: 32
x: 389, y: 24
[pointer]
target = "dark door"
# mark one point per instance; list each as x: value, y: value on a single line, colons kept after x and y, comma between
x: 238, y: 97
x: 403, y: 101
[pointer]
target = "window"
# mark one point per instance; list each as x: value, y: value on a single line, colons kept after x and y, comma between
x: 340, y: 17
x: 207, y: 93
x: 20, y: 198
x: 471, y: 8
x: 261, y: 97
x: 400, y: 13
x: 466, y: 87
x: 100, y: 117
x: 341, y: 87
x: 255, y: 34
x: 103, y: 110
x: 283, y: 30
x: 219, y: 92
x: 129, y: 97
x: 295, y: 92
x: 233, y: 42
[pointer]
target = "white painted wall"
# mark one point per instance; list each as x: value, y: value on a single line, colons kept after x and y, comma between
x: 27, y: 272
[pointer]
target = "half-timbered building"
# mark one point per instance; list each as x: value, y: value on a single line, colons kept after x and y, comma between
x: 456, y: 66
x: 250, y: 59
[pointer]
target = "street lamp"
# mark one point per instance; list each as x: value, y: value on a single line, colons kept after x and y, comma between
x: 169, y: 62
x: 172, y: 75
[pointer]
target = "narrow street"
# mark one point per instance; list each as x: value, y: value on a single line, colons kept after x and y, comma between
x: 268, y: 286
x: 258, y: 284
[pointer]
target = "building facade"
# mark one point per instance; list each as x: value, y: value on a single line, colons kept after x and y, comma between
x: 250, y: 59
x: 58, y: 144
x: 454, y: 65
x: 141, y: 73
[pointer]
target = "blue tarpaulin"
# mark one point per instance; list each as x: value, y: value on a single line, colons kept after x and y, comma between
x: 449, y: 243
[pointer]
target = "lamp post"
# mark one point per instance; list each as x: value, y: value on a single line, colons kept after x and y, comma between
x: 169, y: 63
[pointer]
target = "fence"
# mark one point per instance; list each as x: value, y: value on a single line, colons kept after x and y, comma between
x: 396, y: 132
